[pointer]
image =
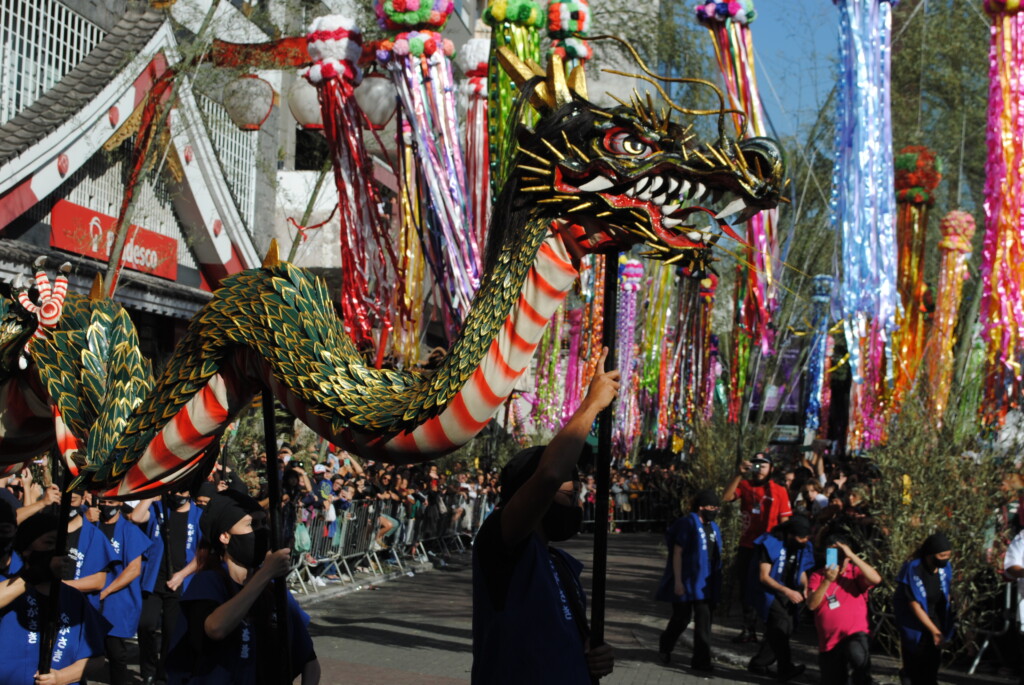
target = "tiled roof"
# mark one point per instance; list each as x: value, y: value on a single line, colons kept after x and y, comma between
x: 125, y: 40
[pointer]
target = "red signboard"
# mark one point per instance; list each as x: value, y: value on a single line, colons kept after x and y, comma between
x: 87, y: 232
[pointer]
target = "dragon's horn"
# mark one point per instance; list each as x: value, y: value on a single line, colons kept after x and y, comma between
x: 97, y: 292
x: 273, y: 257
x: 555, y: 90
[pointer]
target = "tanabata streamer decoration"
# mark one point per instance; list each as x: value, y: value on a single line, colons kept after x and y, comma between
x: 369, y: 265
x: 417, y: 58
x: 567, y: 28
x: 514, y: 25
x: 624, y: 433
x: 1002, y: 305
x: 729, y: 26
x: 957, y: 230
x: 817, y: 361
x: 864, y: 209
x: 473, y: 59
x: 918, y: 173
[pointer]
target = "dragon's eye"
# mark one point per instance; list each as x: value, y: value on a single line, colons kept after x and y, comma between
x: 621, y: 142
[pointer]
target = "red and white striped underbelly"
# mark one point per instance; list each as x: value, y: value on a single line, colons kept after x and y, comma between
x: 180, y: 445
x: 548, y: 282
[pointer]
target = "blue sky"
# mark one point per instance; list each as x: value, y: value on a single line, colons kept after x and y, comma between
x: 795, y: 42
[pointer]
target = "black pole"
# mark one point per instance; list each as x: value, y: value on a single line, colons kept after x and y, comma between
x: 274, y: 492
x: 604, y: 457
x: 52, y: 604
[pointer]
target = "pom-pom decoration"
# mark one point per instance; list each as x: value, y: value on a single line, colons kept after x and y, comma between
x: 525, y: 13
x: 957, y: 229
x: 738, y: 11
x: 918, y: 173
x: 402, y: 15
x: 335, y: 45
x: 567, y: 27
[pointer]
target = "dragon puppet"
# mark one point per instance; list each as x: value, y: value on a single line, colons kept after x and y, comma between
x: 585, y: 179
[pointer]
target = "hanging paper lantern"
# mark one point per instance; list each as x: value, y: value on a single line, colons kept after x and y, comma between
x: 249, y: 101
x: 377, y: 98
x: 304, y: 105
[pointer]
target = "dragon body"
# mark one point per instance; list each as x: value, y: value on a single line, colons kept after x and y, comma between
x: 585, y: 180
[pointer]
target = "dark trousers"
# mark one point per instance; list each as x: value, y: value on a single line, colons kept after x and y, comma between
x: 744, y: 556
x: 117, y: 658
x: 160, y: 611
x: 851, y: 654
x: 700, y: 610
x: 775, y: 645
x: 920, y: 662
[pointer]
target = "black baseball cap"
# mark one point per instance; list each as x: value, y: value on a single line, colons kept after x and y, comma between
x: 760, y: 457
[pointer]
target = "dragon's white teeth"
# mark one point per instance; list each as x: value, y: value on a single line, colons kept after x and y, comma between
x: 668, y: 209
x: 684, y: 190
x: 698, y: 194
x: 659, y: 199
x: 673, y: 186
x: 695, y: 236
x: 598, y: 184
x: 641, y: 184
x: 731, y: 208
x: 669, y: 222
x: 656, y: 183
x: 631, y: 192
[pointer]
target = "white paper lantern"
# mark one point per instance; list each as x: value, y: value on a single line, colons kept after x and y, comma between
x: 249, y: 101
x: 376, y: 96
x: 305, y: 105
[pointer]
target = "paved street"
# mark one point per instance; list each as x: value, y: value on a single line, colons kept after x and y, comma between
x: 413, y: 631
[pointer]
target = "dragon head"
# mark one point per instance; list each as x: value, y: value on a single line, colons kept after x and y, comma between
x: 630, y: 174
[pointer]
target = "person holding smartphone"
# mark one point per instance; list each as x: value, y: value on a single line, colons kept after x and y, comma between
x: 839, y: 599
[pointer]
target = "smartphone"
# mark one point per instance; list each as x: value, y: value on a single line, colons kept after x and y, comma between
x: 831, y: 557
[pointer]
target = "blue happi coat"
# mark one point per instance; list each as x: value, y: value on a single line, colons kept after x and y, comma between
x: 762, y: 595
x: 700, y: 580
x: 911, y: 629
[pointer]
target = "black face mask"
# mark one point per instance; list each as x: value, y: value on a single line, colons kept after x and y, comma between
x: 561, y: 522
x: 177, y: 501
x: 939, y: 563
x: 37, y: 568
x: 708, y: 516
x: 794, y: 545
x: 108, y: 511
x: 249, y: 549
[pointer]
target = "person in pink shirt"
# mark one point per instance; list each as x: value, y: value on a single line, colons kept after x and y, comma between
x: 839, y: 599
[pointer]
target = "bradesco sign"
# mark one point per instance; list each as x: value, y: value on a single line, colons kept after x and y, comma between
x: 86, y: 232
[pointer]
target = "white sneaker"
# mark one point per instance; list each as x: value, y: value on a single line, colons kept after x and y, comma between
x: 319, y: 582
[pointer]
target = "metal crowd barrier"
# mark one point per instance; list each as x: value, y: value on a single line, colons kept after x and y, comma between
x: 348, y: 547
x: 636, y: 509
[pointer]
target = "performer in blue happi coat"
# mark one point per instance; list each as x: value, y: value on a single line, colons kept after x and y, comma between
x: 23, y: 599
x: 924, y: 613
x: 90, y: 554
x: 172, y: 523
x: 229, y: 632
x: 693, y: 578
x: 121, y: 599
x: 778, y: 586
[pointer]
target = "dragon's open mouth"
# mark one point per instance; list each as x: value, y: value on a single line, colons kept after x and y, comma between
x: 661, y: 207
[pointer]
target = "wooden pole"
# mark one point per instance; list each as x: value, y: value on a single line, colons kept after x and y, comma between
x: 604, y: 458
x: 52, y: 605
x: 274, y: 492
